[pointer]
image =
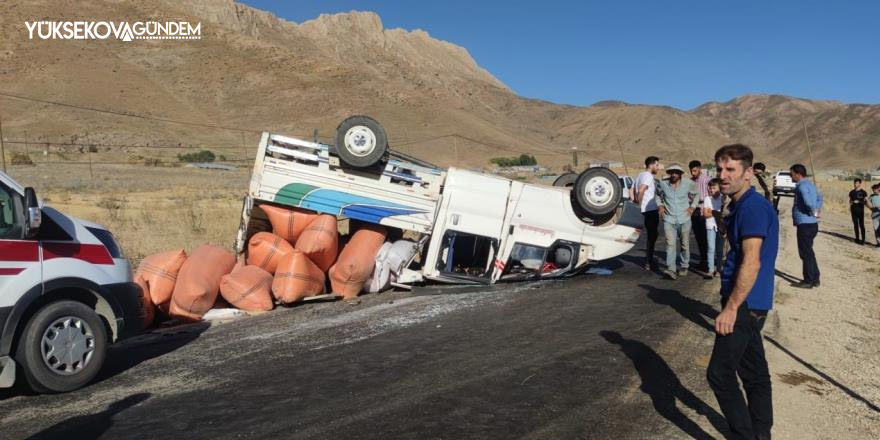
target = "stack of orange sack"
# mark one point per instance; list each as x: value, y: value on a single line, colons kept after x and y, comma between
x: 288, y: 264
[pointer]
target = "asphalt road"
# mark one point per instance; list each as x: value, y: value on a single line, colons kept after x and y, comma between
x: 590, y: 357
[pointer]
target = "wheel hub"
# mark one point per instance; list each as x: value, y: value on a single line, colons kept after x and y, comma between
x: 360, y: 140
x: 67, y: 345
x: 599, y: 191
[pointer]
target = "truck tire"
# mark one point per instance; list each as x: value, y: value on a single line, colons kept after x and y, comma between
x: 361, y: 141
x: 597, y: 192
x: 62, y: 347
x: 566, y: 180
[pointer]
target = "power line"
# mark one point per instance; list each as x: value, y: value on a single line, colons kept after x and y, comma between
x: 130, y: 115
x: 168, y: 147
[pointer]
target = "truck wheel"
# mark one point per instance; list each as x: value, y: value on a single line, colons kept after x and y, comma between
x: 566, y: 180
x: 62, y: 347
x: 361, y: 141
x: 597, y: 192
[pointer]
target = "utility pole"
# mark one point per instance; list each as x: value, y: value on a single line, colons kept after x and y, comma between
x: 455, y: 145
x: 27, y: 149
x: 574, y: 157
x: 2, y: 148
x: 622, y: 159
x: 809, y: 148
x: 243, y: 146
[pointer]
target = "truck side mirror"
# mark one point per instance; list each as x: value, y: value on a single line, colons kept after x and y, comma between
x: 34, y: 214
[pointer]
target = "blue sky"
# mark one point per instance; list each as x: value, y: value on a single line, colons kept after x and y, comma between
x: 678, y: 53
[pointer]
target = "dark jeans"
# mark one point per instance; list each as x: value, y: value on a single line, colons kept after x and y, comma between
x: 741, y: 353
x: 698, y: 225
x: 858, y: 218
x: 806, y: 233
x: 652, y: 222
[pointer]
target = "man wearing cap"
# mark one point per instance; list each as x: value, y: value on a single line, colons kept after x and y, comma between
x: 677, y: 200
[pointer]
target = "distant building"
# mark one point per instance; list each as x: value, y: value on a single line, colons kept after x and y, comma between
x: 605, y: 164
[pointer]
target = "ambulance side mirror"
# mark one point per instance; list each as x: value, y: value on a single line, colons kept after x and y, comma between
x: 33, y: 212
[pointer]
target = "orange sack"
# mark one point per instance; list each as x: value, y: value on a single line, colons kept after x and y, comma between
x: 198, y: 282
x: 159, y: 274
x: 288, y: 223
x: 147, y: 303
x: 320, y: 241
x: 356, y: 261
x: 296, y: 278
x: 266, y: 249
x: 247, y: 288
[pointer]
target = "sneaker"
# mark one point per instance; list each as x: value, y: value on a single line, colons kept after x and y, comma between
x: 802, y: 285
x: 682, y: 272
x: 670, y: 274
x: 816, y: 284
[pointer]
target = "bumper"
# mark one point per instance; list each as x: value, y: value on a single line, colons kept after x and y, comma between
x: 783, y: 190
x: 130, y: 314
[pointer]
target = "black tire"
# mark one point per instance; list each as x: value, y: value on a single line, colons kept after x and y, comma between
x: 597, y: 192
x: 361, y: 142
x: 29, y: 352
x: 566, y: 180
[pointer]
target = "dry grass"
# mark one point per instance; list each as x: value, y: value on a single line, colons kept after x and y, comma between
x: 148, y: 209
x: 835, y: 194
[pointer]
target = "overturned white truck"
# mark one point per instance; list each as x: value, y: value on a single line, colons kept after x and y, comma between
x: 466, y: 227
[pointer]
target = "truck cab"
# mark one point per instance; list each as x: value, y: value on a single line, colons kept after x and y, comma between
x: 66, y: 293
x: 491, y: 229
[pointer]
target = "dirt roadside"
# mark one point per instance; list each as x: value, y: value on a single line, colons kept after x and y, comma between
x: 823, y: 344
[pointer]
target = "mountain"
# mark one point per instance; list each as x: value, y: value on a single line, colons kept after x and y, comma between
x: 254, y: 71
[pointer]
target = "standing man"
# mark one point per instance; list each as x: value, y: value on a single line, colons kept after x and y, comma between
x: 645, y: 190
x: 874, y: 204
x: 676, y: 202
x: 805, y: 211
x: 698, y: 221
x: 746, y: 297
x: 857, y: 199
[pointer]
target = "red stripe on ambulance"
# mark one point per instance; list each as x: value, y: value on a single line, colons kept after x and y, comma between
x: 18, y: 250
x: 92, y: 253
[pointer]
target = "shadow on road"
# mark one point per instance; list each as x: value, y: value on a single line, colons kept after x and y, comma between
x: 787, y: 277
x: 132, y: 352
x: 694, y: 310
x: 840, y: 236
x: 90, y: 426
x: 663, y: 386
x: 828, y: 378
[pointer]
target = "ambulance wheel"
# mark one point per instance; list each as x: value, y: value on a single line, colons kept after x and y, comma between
x: 361, y: 142
x: 62, y: 347
x: 597, y: 192
x: 566, y: 180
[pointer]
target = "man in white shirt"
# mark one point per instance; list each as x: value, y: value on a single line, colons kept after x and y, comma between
x: 645, y: 191
x: 712, y: 206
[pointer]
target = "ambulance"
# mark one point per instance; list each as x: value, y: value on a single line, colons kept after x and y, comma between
x: 66, y: 294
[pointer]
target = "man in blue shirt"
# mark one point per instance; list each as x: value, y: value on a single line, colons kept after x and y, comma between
x: 746, y: 297
x: 805, y: 213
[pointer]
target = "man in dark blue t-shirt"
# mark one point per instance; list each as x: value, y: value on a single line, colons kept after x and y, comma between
x: 746, y: 297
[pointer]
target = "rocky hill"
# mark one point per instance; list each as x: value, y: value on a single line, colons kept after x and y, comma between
x: 255, y: 71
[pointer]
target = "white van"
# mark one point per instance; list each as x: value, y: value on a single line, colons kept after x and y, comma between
x: 469, y: 227
x: 66, y: 293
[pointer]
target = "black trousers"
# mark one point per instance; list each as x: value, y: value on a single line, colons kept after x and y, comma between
x: 741, y: 353
x: 806, y: 233
x: 698, y: 225
x: 652, y: 222
x: 858, y: 218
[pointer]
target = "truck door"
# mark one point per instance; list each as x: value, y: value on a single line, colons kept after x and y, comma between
x: 469, y: 228
x: 20, y: 268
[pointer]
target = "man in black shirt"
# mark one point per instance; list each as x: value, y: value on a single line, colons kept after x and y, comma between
x: 857, y: 208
